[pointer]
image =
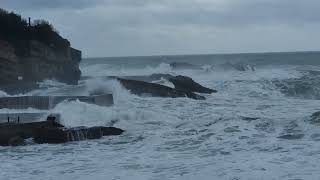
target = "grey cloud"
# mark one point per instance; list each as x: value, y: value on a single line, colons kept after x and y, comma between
x: 47, y: 4
x: 145, y: 27
x: 235, y: 13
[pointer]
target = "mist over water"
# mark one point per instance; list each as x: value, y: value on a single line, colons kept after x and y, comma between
x: 233, y: 134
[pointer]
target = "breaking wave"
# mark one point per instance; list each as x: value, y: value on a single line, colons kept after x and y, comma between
x: 258, y: 113
x: 306, y: 87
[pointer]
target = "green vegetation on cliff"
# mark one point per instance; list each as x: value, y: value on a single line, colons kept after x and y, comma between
x: 17, y: 31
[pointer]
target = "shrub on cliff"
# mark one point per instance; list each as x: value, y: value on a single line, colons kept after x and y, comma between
x: 16, y: 30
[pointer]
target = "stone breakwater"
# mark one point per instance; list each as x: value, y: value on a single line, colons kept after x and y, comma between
x: 49, y: 102
x: 50, y: 131
x: 15, y: 128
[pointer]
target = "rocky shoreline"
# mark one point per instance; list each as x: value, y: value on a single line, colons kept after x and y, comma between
x: 50, y: 131
x: 32, y: 58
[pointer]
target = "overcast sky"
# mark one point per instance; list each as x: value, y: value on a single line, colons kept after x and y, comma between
x: 159, y: 27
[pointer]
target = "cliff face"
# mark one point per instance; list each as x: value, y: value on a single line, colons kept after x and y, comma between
x: 38, y: 62
x: 10, y: 69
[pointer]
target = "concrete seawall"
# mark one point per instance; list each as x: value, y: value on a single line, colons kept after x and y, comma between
x: 22, y: 117
x: 49, y: 102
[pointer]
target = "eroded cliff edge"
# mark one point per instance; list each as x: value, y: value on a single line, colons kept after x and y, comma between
x: 41, y: 62
x: 33, y: 52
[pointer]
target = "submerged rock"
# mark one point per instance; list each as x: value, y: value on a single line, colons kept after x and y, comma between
x: 144, y: 88
x: 291, y: 136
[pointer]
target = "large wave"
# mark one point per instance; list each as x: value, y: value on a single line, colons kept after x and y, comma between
x: 307, y: 86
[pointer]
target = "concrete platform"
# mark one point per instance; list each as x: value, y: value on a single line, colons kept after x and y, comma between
x: 27, y: 117
x: 49, y: 102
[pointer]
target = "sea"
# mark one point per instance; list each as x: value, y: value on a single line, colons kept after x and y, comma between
x: 257, y: 127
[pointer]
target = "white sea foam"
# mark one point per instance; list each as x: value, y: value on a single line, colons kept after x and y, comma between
x: 231, y: 135
x: 97, y: 70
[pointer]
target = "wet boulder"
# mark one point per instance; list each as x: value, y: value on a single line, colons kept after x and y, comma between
x: 50, y: 135
x: 63, y: 135
x: 142, y: 88
x: 188, y: 84
x: 16, y: 141
x: 106, y: 131
x: 148, y: 78
x: 12, y: 133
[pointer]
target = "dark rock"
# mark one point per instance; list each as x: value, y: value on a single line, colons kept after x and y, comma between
x: 107, y: 131
x: 50, y: 135
x: 149, y: 78
x: 9, y: 131
x: 16, y: 141
x: 40, y: 62
x: 144, y: 85
x: 291, y: 136
x: 63, y: 135
x: 144, y: 88
x: 50, y: 131
x: 249, y: 118
x: 30, y: 53
x: 188, y: 84
x: 183, y: 83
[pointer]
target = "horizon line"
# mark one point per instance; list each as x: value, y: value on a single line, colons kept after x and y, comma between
x: 206, y: 54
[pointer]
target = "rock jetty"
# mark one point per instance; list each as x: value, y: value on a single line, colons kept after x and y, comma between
x: 50, y: 131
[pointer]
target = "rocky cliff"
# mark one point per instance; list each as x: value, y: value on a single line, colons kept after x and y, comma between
x: 32, y: 52
x: 41, y: 62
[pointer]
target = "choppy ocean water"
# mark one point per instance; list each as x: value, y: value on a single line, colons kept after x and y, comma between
x: 233, y: 134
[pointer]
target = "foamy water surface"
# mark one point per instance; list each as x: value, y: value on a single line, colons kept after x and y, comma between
x: 233, y: 134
